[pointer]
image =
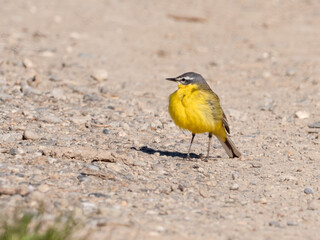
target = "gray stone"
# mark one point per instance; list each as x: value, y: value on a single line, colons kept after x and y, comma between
x: 274, y: 224
x: 93, y: 167
x: 308, y: 191
x: 292, y: 223
x: 15, y: 151
x: 98, y: 195
x: 11, y: 137
x: 91, y: 97
x: 315, y: 125
x: 53, y: 78
x: 105, y: 131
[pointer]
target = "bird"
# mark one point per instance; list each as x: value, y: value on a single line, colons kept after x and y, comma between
x: 195, y: 107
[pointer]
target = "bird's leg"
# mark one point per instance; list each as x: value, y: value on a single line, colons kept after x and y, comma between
x: 188, y: 155
x: 209, y: 143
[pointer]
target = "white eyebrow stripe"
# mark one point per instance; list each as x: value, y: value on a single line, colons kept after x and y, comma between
x: 187, y: 78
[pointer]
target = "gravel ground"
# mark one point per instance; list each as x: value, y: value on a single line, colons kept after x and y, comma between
x: 84, y: 126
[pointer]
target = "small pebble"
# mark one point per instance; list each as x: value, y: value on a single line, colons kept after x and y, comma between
x: 256, y: 165
x: 30, y: 134
x: 100, y: 75
x: 88, y: 205
x: 274, y: 224
x: 263, y: 201
x: 302, y: 114
x: 93, y: 167
x: 122, y: 134
x: 308, y: 191
x: 234, y: 186
x: 34, y: 81
x: 315, y: 125
x: 53, y: 78
x: 15, y: 151
x: 105, y: 131
x: 180, y: 187
x: 99, y: 195
x: 27, y: 63
x: 91, y: 97
x: 203, y: 191
x: 291, y: 223
x: 43, y: 188
x: 235, y: 176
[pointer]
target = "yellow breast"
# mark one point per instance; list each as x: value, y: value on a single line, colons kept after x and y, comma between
x: 196, y: 110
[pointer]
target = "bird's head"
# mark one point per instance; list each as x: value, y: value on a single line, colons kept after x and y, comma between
x: 190, y: 79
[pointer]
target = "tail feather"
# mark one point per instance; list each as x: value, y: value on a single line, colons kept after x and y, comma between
x: 230, y: 148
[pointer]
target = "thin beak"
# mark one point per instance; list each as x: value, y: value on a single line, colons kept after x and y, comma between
x: 172, y: 79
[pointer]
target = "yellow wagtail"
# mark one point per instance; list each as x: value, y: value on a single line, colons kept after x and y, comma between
x: 195, y: 107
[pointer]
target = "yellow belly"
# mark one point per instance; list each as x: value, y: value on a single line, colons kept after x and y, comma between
x: 190, y: 110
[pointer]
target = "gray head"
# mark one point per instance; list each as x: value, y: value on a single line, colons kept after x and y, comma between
x: 190, y: 78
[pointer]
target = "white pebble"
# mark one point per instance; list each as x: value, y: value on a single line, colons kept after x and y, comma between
x: 234, y: 186
x: 302, y: 114
x: 27, y: 63
x: 100, y: 75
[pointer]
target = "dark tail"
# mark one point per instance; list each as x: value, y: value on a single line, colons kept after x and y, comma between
x: 230, y: 148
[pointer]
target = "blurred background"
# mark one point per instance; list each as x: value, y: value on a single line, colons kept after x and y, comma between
x: 85, y: 127
x: 140, y: 42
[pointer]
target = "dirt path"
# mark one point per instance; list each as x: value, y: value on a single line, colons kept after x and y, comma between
x: 85, y: 128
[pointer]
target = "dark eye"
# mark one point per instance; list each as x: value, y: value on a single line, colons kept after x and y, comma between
x: 183, y: 80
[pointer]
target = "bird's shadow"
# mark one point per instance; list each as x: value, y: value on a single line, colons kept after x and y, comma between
x: 150, y: 151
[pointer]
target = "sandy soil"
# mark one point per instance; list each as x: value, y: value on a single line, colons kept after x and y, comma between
x: 85, y: 128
